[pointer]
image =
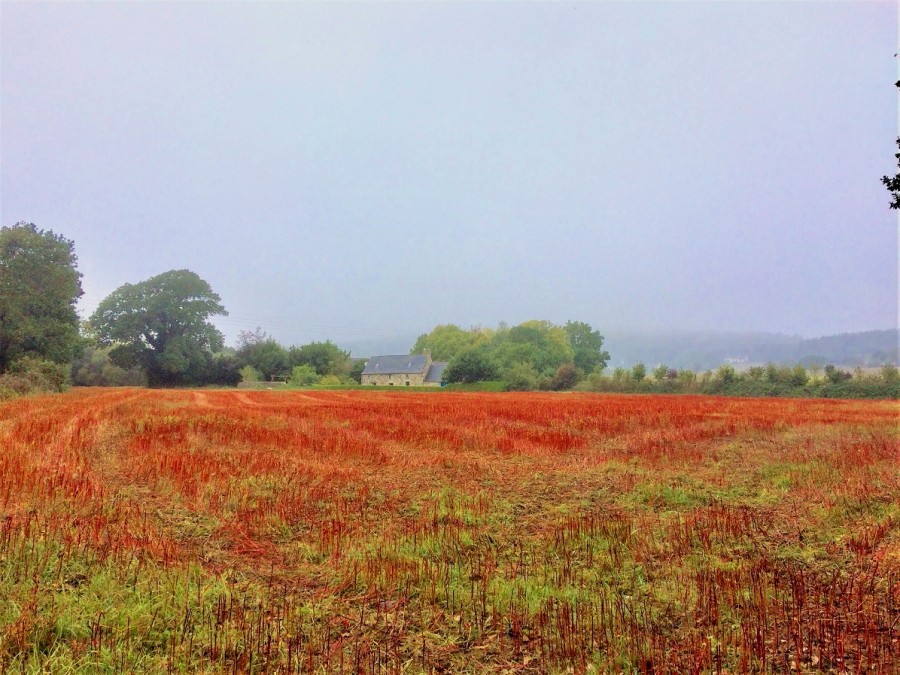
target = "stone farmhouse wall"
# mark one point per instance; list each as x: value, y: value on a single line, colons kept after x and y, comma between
x: 397, y: 380
x: 402, y: 379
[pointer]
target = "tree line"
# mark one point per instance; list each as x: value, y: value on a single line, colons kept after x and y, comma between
x: 158, y: 332
x: 769, y: 380
x: 532, y: 355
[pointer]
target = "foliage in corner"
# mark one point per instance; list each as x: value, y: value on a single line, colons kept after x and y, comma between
x: 39, y: 286
x: 892, y: 183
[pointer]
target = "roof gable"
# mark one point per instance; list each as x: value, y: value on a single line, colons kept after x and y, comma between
x: 436, y: 371
x: 395, y: 365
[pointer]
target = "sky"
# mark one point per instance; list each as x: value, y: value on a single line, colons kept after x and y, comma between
x: 351, y: 171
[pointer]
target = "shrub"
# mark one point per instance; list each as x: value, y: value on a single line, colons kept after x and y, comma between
x: 43, y: 374
x: 33, y: 375
x: 521, y: 377
x: 304, y: 376
x: 14, y: 385
x: 94, y: 368
x: 472, y: 365
x: 726, y: 374
x: 566, y: 377
x: 836, y: 375
x: 799, y: 376
x: 250, y: 374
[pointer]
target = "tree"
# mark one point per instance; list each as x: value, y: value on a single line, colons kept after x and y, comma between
x: 39, y: 286
x: 447, y: 341
x: 892, y: 183
x: 162, y: 325
x: 251, y: 337
x: 539, y: 343
x: 268, y: 357
x: 587, y: 344
x: 472, y: 365
x: 325, y: 357
x: 357, y: 366
x: 638, y: 372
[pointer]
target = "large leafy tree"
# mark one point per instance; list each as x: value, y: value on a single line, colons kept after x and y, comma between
x: 267, y: 356
x: 471, y: 365
x: 447, y: 341
x: 39, y: 286
x: 587, y: 344
x: 162, y: 325
x: 540, y: 343
x: 326, y: 357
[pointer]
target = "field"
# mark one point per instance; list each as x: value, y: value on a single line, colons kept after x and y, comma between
x: 349, y: 531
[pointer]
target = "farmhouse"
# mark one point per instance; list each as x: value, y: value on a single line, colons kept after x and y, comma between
x: 409, y: 370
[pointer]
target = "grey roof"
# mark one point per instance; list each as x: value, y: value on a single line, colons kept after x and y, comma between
x: 436, y: 372
x: 395, y: 365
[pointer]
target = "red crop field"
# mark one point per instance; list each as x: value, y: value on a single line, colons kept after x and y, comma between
x: 350, y: 531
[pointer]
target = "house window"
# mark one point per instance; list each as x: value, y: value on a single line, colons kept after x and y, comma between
x: 407, y: 383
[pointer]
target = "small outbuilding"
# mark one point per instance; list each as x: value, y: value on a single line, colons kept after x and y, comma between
x: 405, y: 370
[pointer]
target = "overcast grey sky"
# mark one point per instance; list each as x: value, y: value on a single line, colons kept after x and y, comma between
x: 360, y: 170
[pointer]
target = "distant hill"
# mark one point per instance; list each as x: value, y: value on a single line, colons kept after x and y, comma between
x: 701, y: 351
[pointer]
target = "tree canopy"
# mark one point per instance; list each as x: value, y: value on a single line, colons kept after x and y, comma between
x: 325, y: 357
x: 540, y: 343
x: 39, y: 286
x: 447, y: 341
x: 268, y: 357
x: 471, y: 365
x: 162, y: 325
x: 587, y: 345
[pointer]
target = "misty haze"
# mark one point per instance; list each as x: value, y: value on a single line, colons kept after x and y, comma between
x: 401, y: 338
x: 356, y: 172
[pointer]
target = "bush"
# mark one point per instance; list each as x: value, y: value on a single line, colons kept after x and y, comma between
x: 566, y: 377
x: 45, y: 375
x: 14, y: 385
x: 836, y: 375
x: 521, y: 377
x: 799, y: 376
x: 726, y: 374
x: 94, y: 368
x: 304, y: 376
x: 249, y: 374
x: 472, y: 365
x: 33, y: 375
